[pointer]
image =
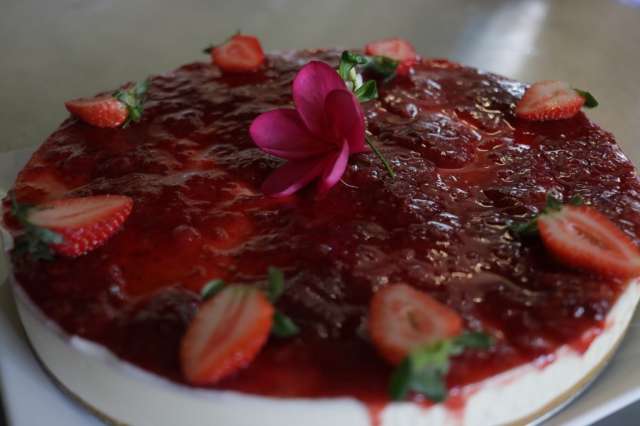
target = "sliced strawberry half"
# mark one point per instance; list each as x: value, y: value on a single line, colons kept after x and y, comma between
x: 83, y: 223
x: 102, y: 111
x: 119, y: 109
x: 549, y: 100
x: 226, y: 334
x: 581, y: 237
x: 395, y: 48
x: 241, y: 53
x: 402, y: 318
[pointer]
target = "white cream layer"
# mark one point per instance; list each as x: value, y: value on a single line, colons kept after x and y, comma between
x: 132, y: 396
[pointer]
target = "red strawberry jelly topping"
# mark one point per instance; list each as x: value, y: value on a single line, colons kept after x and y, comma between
x: 465, y: 169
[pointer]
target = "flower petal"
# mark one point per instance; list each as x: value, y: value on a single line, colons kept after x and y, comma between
x: 334, y: 169
x: 346, y: 119
x: 310, y: 88
x: 282, y: 133
x: 292, y: 176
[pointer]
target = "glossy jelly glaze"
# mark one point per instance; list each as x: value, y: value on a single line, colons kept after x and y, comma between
x: 466, y: 168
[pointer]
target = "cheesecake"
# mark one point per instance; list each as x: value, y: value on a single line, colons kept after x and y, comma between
x: 282, y: 241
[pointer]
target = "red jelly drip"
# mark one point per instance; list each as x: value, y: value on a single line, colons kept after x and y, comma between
x: 375, y: 412
x: 456, y: 403
x: 582, y: 343
x: 465, y: 170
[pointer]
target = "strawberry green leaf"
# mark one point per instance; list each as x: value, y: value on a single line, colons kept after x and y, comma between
x: 525, y: 229
x: 401, y: 380
x: 471, y: 340
x: 133, y: 98
x: 382, y: 66
x: 211, y: 288
x: 553, y: 204
x: 364, y: 92
x: 348, y: 62
x: 368, y: 91
x: 576, y: 200
x: 423, y: 371
x: 530, y: 228
x: 35, y: 240
x: 589, y: 100
x: 275, y: 280
x: 283, y: 326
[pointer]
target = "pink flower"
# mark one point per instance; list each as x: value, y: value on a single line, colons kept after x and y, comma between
x: 317, y: 137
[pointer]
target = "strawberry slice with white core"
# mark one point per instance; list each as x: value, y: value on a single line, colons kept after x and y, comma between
x: 102, y: 111
x: 83, y: 223
x: 395, y: 48
x: 402, y: 318
x: 226, y: 334
x: 549, y: 100
x: 581, y: 237
x: 241, y: 53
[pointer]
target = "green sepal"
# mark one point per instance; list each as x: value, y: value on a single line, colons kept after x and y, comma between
x: 525, y: 229
x: 576, y: 200
x: 400, y: 383
x: 367, y: 92
x: 530, y: 228
x: 382, y: 66
x: 283, y: 326
x: 133, y: 98
x: 423, y: 371
x: 211, y: 288
x: 348, y: 62
x: 275, y: 284
x: 589, y: 100
x: 471, y: 340
x: 35, y: 240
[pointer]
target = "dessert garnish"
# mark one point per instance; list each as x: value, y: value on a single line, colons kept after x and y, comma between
x: 231, y: 326
x: 239, y: 53
x: 226, y: 334
x: 553, y: 100
x: 580, y: 236
x: 34, y: 240
x: 351, y: 67
x: 397, y: 49
x: 317, y: 137
x: 423, y: 371
x: 117, y: 109
x: 71, y: 226
x: 530, y: 228
x: 364, y: 91
x: 417, y: 333
x: 283, y: 326
x: 211, y: 288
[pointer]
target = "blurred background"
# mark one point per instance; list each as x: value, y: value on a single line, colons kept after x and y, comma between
x: 54, y: 50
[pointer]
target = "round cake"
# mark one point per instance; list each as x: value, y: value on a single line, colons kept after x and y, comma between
x: 458, y: 214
